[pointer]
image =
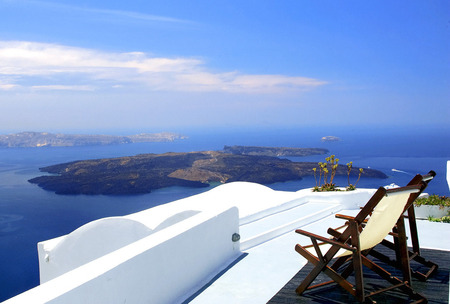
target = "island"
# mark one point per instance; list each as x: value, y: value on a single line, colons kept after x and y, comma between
x: 44, y: 139
x: 274, y: 151
x: 144, y: 173
x: 330, y: 138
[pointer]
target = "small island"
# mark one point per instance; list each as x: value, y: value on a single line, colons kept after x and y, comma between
x: 146, y: 172
x: 330, y: 138
x: 44, y: 139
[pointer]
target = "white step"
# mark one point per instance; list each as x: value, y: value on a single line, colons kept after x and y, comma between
x: 269, y: 227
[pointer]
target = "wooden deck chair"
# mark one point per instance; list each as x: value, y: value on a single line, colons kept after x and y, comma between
x: 383, y: 211
x: 414, y: 254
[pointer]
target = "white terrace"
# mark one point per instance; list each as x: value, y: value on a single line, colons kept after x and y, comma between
x: 232, y: 244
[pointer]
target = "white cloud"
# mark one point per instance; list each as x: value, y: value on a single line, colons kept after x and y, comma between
x: 112, y: 14
x: 63, y: 88
x: 6, y: 86
x: 49, y: 66
x: 134, y: 15
x: 7, y: 83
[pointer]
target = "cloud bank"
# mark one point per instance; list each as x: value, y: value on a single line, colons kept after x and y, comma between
x: 32, y: 65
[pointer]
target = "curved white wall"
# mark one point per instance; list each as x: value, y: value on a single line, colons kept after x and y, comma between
x: 165, y: 267
x: 94, y: 240
x: 88, y: 243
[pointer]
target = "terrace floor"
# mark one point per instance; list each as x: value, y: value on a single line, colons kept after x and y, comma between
x: 271, y: 271
x: 435, y: 289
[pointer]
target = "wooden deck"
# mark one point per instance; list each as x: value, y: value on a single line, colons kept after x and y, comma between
x: 436, y: 289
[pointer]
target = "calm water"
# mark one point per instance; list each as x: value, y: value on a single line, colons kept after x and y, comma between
x: 29, y: 214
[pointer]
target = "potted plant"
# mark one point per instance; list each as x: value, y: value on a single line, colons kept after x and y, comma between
x: 331, y: 162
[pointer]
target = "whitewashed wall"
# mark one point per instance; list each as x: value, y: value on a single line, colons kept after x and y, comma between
x: 164, y: 267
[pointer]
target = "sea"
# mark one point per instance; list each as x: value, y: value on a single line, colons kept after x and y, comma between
x: 29, y: 214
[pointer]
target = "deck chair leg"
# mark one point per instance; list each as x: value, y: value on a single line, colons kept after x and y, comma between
x: 415, y: 254
x: 432, y: 267
x: 403, y: 253
x: 313, y: 274
x: 413, y: 229
x: 357, y: 262
x: 336, y: 278
x: 396, y: 248
x: 359, y: 282
x: 308, y: 280
x: 319, y: 267
x: 396, y: 282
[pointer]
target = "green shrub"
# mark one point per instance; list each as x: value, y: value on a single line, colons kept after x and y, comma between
x: 444, y: 219
x: 433, y: 200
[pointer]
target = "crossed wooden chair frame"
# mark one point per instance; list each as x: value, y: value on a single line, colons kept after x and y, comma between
x: 349, y: 246
x: 414, y: 254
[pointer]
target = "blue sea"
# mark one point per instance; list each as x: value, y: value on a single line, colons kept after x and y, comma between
x: 29, y: 214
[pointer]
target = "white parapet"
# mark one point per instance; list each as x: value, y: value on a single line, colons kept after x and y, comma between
x: 86, y: 244
x: 166, y: 266
x: 448, y: 173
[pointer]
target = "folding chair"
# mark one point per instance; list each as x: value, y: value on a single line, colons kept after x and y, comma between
x: 414, y: 255
x: 354, y: 241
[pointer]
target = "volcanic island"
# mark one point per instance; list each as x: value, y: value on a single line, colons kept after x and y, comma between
x: 144, y: 173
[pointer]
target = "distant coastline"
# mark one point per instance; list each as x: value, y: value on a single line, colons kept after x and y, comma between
x: 44, y: 139
x: 274, y: 151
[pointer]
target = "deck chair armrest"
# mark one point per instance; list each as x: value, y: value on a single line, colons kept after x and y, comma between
x: 334, y: 232
x: 324, y: 239
x: 347, y: 217
x: 344, y: 217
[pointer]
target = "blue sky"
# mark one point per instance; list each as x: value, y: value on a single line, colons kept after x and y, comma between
x: 163, y: 65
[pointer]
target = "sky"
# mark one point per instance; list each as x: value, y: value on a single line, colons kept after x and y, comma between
x: 166, y: 65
